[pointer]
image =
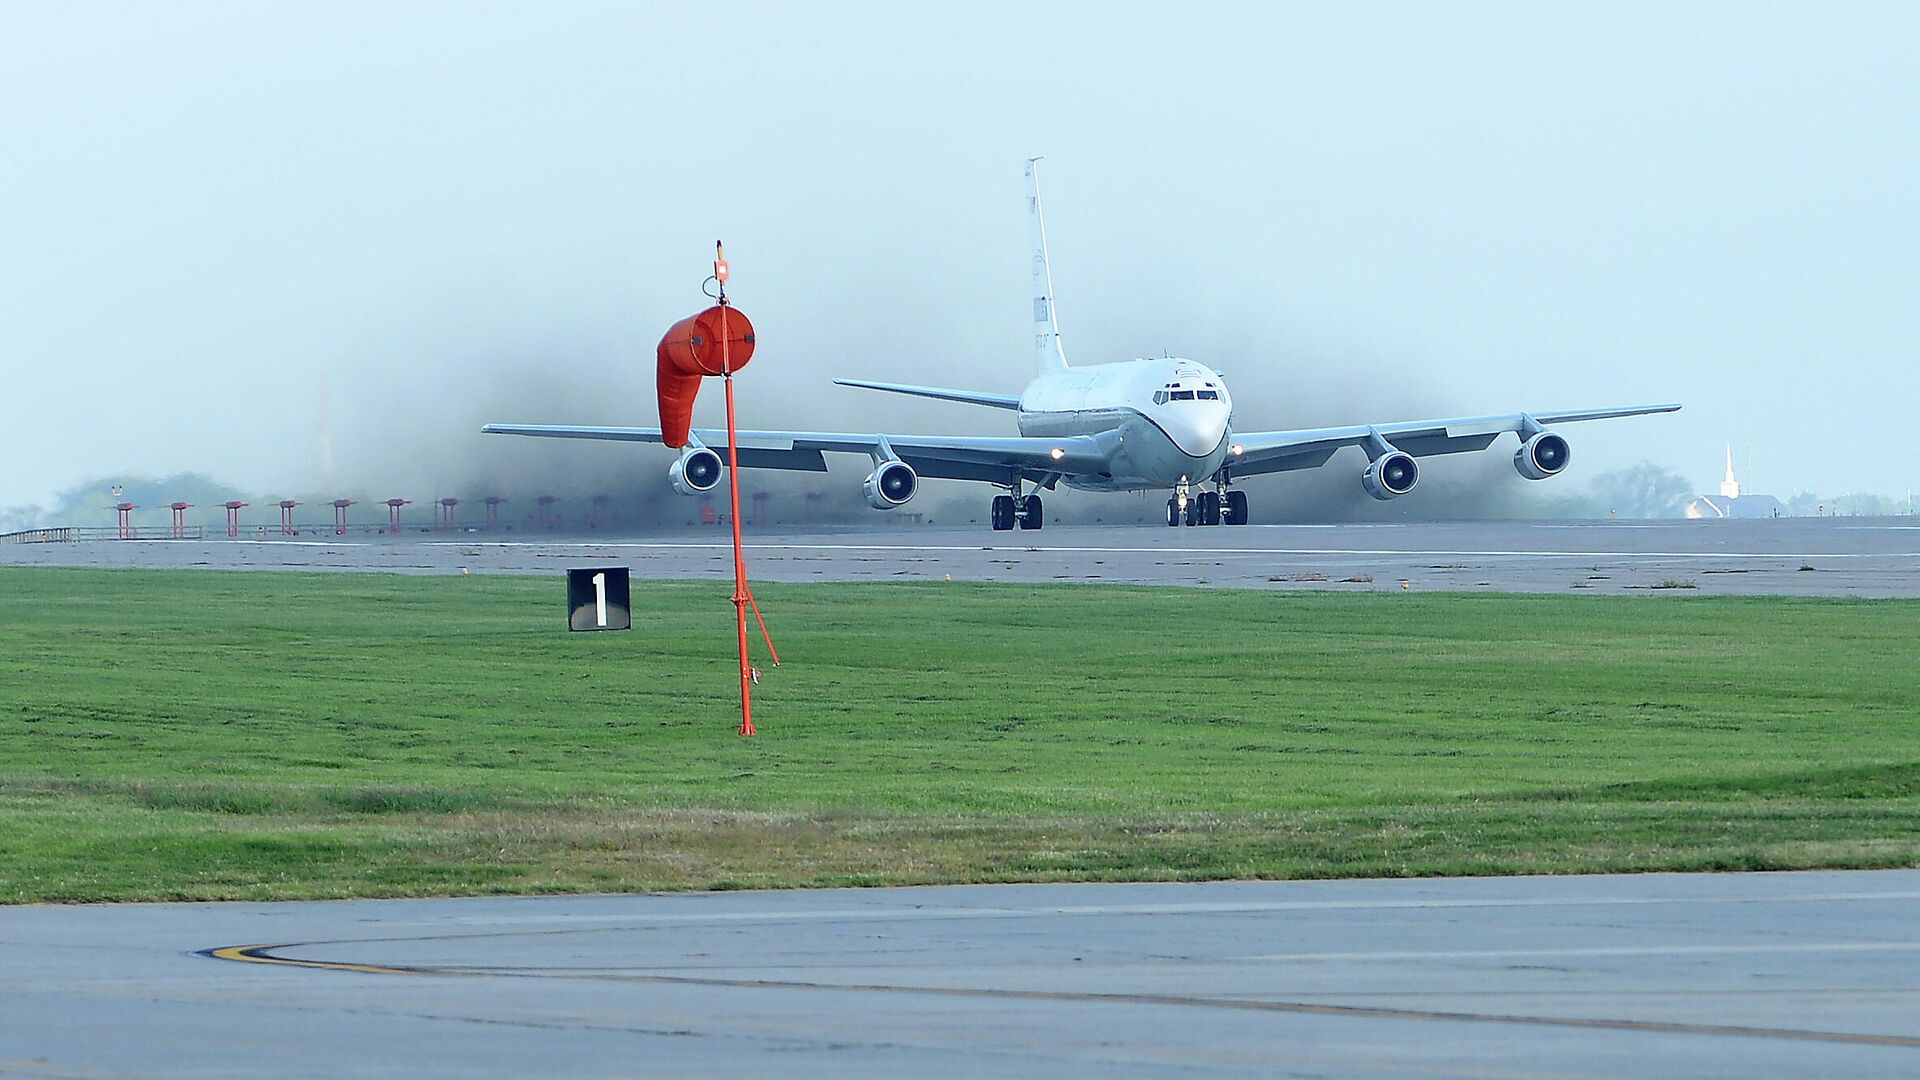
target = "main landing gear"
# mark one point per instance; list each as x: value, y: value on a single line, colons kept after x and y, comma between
x: 1024, y: 510
x: 1222, y: 506
x: 1235, y: 512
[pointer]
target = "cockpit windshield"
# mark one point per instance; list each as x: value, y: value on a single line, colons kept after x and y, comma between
x: 1174, y: 391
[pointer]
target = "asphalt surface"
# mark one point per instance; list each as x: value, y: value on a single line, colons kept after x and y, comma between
x: 1795, y: 556
x: 1800, y: 974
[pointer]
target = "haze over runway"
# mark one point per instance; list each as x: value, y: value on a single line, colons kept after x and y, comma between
x: 1796, y: 556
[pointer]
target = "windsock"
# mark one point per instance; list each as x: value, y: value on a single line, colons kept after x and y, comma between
x: 690, y: 351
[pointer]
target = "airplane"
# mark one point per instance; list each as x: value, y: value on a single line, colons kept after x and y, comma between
x: 1136, y: 425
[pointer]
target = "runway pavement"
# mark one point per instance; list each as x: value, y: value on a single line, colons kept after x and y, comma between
x: 1735, y: 975
x: 1795, y: 556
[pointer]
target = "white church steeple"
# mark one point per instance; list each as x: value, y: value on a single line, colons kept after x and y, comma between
x: 1730, y: 487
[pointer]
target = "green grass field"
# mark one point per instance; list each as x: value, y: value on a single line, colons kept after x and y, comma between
x: 192, y: 734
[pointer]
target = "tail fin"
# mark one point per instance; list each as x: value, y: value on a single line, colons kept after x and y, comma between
x: 1048, y: 351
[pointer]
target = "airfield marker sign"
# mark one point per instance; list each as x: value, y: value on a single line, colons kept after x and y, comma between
x: 599, y: 598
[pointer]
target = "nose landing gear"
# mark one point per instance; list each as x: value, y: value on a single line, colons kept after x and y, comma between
x: 1179, y: 504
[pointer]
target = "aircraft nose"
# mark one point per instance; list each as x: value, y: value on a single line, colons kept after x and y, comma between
x: 1214, y: 424
x: 1211, y: 421
x: 1201, y: 427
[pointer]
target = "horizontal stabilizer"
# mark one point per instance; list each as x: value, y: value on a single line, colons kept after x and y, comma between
x: 971, y: 397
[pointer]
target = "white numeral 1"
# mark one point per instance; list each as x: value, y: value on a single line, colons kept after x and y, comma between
x: 600, y: 597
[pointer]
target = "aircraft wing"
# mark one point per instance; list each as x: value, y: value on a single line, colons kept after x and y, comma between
x: 971, y: 397
x: 944, y: 457
x: 1307, y: 448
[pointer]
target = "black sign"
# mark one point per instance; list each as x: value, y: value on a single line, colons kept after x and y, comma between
x: 597, y: 599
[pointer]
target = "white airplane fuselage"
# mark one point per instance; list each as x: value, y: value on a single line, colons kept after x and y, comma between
x: 1174, y: 418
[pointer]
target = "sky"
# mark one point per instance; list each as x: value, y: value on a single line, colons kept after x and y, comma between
x: 438, y: 215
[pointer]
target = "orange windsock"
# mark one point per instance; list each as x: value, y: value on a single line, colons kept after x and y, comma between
x: 690, y: 351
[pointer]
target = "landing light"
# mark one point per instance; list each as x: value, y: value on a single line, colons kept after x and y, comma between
x: 1238, y: 449
x: 1058, y: 453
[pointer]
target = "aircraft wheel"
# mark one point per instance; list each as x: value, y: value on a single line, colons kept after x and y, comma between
x: 1173, y: 512
x: 1209, y: 508
x: 1236, y: 508
x: 1031, y: 514
x: 1002, y: 513
x: 1193, y: 512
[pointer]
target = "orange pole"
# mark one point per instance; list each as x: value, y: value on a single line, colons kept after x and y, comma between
x: 768, y: 638
x: 741, y: 598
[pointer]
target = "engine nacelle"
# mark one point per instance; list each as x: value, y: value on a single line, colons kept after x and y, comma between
x: 890, y: 485
x: 1544, y: 455
x: 696, y: 471
x: 1391, y: 476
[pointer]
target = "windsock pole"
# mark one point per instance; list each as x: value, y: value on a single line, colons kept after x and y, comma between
x: 685, y: 358
x: 741, y: 597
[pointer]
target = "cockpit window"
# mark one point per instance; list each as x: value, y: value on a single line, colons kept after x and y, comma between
x: 1209, y: 395
x: 1160, y: 397
x: 1183, y: 395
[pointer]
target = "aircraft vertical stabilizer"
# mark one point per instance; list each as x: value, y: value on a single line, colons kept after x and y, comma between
x: 1048, y: 351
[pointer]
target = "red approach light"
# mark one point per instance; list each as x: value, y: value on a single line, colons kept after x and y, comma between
x: 691, y: 351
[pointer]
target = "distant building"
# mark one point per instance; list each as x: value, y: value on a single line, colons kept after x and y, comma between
x: 1731, y: 504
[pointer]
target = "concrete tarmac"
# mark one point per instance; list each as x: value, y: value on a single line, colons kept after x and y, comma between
x: 1793, y: 556
x: 1731, y: 975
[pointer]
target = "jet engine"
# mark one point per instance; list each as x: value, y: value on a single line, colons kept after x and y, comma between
x: 697, y: 470
x: 890, y: 485
x: 1391, y: 476
x: 1541, y: 456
